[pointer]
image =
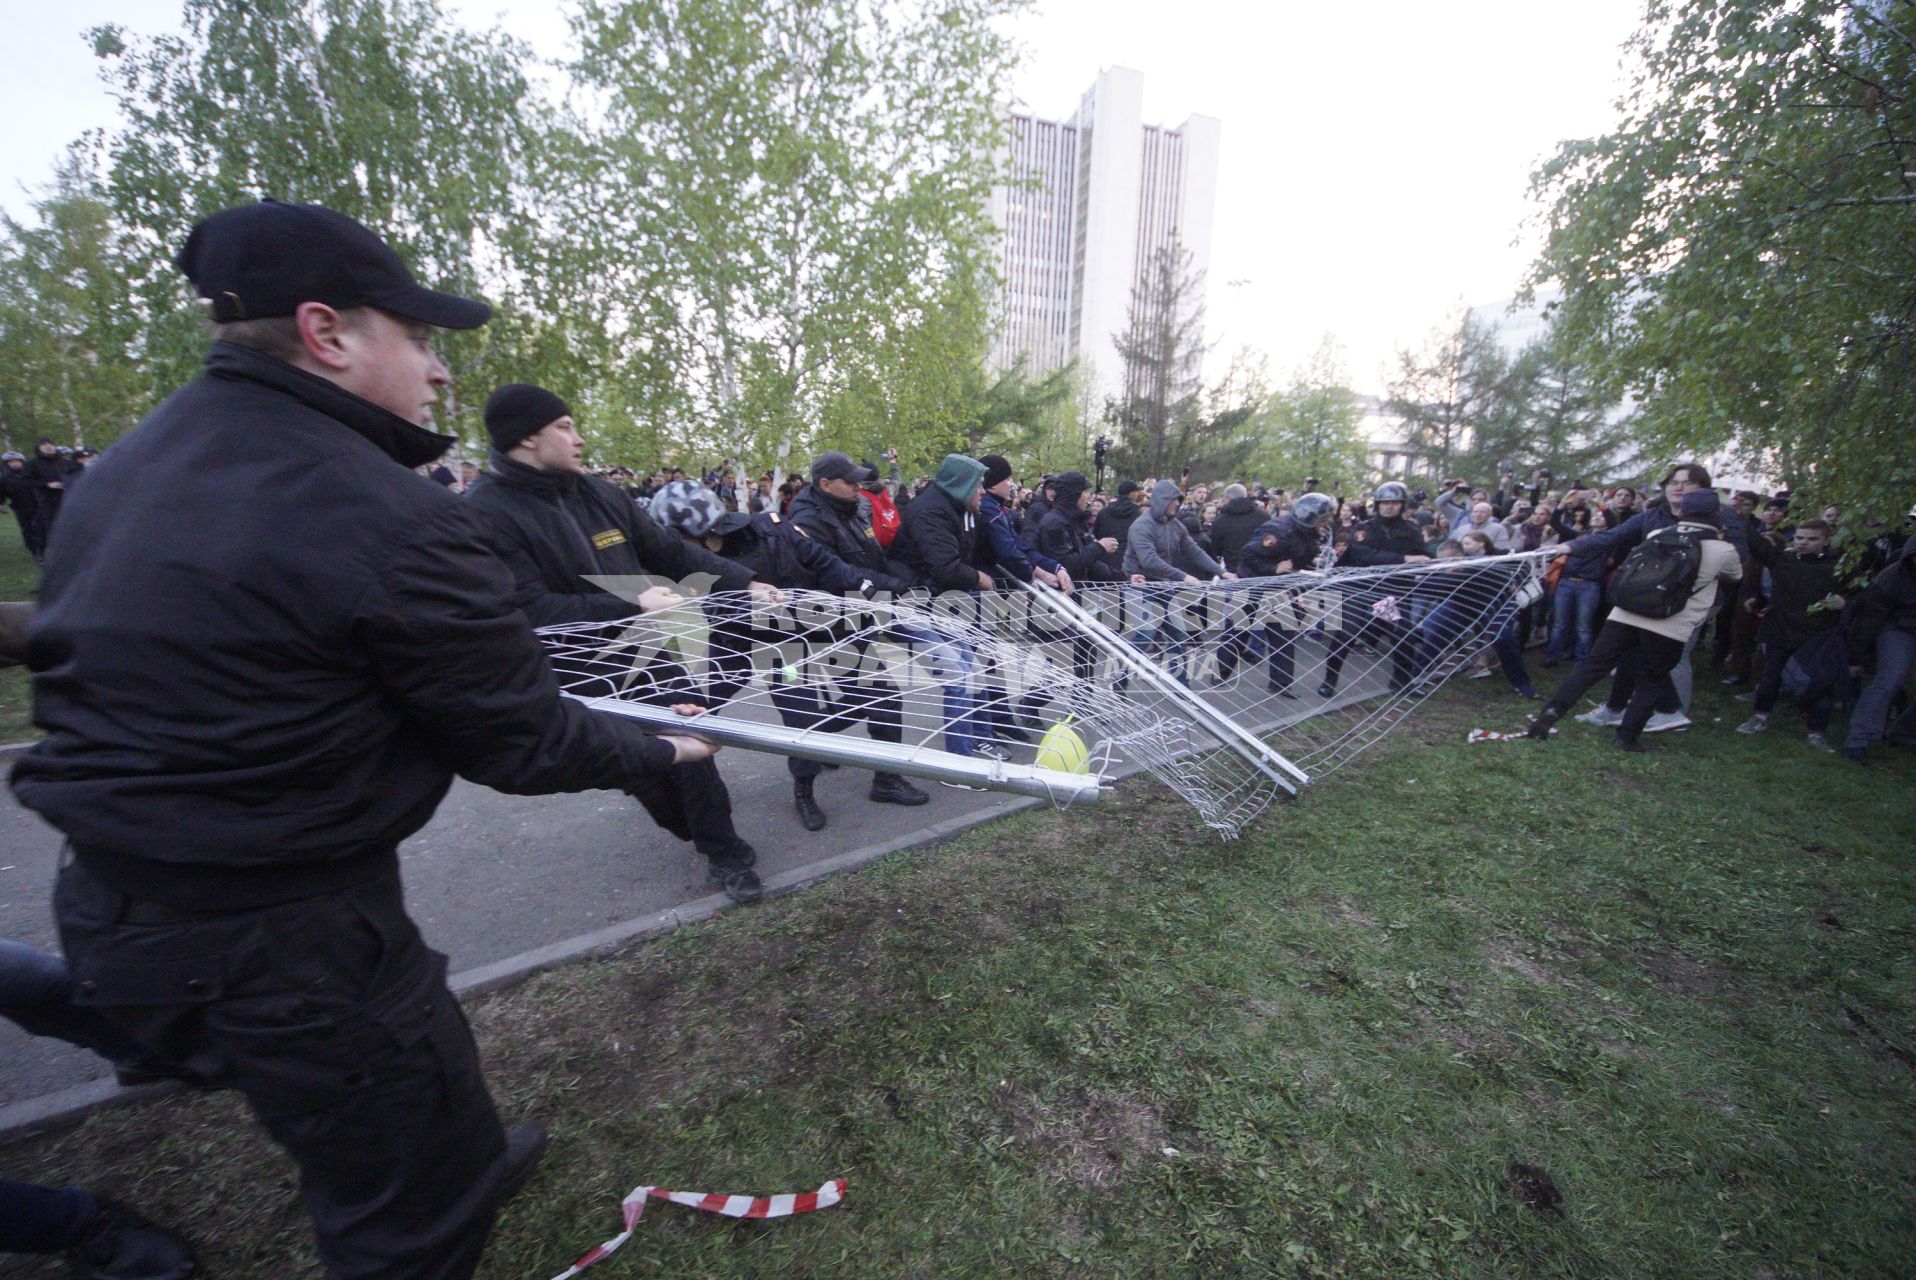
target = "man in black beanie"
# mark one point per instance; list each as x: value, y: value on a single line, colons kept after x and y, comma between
x: 535, y: 500
x: 1116, y: 519
x: 336, y: 644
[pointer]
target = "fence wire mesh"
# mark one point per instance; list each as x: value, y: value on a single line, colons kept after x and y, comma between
x: 1173, y: 680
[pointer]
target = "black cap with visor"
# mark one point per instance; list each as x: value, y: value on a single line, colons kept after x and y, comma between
x: 262, y: 260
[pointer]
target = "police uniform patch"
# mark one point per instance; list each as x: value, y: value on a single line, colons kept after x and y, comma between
x: 607, y: 539
x: 1360, y: 535
x: 1270, y: 540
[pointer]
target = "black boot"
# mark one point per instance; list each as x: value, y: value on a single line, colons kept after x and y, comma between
x: 889, y: 788
x: 1328, y: 689
x: 1541, y: 725
x: 1028, y: 708
x: 122, y: 1245
x: 525, y: 1147
x: 809, y: 813
x: 740, y: 883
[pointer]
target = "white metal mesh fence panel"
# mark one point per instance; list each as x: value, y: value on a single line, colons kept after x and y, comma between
x: 1232, y: 694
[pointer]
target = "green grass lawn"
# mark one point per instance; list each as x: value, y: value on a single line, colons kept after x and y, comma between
x: 1678, y: 986
x: 19, y: 580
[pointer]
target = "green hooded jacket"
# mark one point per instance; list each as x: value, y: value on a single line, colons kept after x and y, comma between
x: 958, y: 476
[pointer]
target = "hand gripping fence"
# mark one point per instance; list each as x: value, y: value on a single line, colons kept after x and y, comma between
x: 1232, y: 694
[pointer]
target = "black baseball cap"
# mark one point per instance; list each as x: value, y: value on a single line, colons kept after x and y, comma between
x: 261, y: 260
x: 839, y: 466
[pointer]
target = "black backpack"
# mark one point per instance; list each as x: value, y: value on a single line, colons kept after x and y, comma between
x: 1658, y: 577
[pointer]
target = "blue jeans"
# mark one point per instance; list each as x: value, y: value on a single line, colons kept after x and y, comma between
x: 1161, y: 638
x: 1444, y: 623
x: 954, y: 666
x: 1895, y: 654
x: 1577, y: 604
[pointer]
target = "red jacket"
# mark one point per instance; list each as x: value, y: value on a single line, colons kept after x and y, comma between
x: 884, y: 516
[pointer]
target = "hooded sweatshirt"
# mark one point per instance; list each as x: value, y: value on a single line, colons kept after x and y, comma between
x: 937, y: 540
x: 958, y: 476
x: 1160, y: 547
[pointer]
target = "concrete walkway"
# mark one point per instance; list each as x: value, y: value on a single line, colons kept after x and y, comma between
x: 505, y: 885
x: 494, y: 876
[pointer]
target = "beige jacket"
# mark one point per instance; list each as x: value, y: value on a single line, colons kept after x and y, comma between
x: 1720, y: 564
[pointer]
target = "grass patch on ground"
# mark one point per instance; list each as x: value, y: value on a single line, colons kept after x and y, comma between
x: 19, y: 580
x: 1513, y: 1009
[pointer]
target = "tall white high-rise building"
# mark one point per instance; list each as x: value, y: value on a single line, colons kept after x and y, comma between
x: 1088, y: 202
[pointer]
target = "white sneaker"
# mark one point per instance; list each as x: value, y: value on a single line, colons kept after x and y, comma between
x: 1666, y: 720
x: 1755, y: 724
x: 1818, y: 742
x: 1601, y: 714
x: 1481, y: 673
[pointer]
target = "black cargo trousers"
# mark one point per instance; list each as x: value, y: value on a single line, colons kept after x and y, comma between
x: 830, y: 700
x: 332, y: 1017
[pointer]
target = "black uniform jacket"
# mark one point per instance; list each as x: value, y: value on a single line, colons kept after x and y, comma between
x: 265, y: 647
x: 1379, y: 541
x: 1276, y: 541
x: 17, y: 490
x: 779, y: 552
x: 846, y: 533
x: 552, y: 528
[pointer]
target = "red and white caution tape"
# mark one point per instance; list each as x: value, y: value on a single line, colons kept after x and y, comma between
x: 731, y: 1206
x: 1492, y: 735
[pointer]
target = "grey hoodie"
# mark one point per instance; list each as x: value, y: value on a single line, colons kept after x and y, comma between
x: 1160, y: 547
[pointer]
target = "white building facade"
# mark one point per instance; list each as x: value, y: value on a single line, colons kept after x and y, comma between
x: 1088, y: 202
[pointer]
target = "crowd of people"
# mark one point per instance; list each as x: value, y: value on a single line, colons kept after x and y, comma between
x: 335, y: 641
x: 33, y: 487
x: 1795, y: 612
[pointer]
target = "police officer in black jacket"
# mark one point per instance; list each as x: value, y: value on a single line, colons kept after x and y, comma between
x: 49, y: 472
x: 553, y: 525
x: 1385, y: 538
x: 16, y: 491
x: 264, y: 649
x: 779, y: 552
x: 831, y: 510
x: 1290, y: 543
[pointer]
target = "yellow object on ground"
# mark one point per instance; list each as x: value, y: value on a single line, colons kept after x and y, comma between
x: 1062, y: 749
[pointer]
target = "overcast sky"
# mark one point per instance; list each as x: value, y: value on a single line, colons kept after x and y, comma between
x: 1374, y: 162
